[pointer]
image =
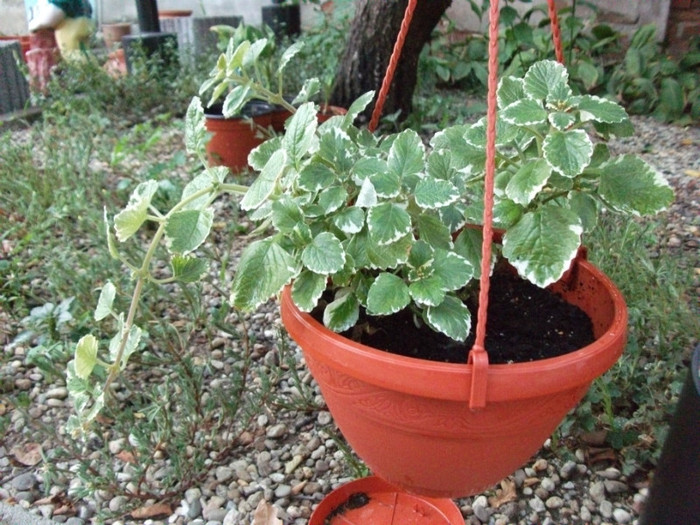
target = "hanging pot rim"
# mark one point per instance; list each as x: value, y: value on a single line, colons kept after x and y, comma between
x: 452, y: 381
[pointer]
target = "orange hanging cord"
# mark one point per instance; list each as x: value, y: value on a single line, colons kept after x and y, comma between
x: 477, y: 357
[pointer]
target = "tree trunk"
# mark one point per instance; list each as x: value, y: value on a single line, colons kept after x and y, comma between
x: 370, y: 43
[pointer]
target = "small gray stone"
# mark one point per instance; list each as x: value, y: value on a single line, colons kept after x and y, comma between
x: 282, y: 491
x: 480, y: 508
x: 597, y: 491
x: 57, y: 393
x: 324, y: 418
x: 568, y: 470
x: 615, y: 487
x: 622, y: 516
x: 536, y: 504
x: 224, y: 473
x: 555, y: 502
x: 194, y: 509
x: 547, y: 484
x: 609, y: 473
x: 276, y: 431
x: 585, y: 514
x: 606, y: 509
x: 74, y: 521
x: 25, y: 481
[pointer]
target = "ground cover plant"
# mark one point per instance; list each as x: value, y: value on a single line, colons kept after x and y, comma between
x: 84, y: 156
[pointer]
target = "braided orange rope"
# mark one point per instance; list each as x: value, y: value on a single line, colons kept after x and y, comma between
x: 393, y: 62
x: 556, y: 31
x: 477, y: 355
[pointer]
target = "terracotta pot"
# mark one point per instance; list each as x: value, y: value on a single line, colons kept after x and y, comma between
x: 113, y: 33
x: 234, y: 138
x: 410, y: 420
x: 173, y: 13
x: 280, y: 116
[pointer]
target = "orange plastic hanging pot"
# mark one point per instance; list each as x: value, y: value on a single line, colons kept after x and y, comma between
x: 410, y: 419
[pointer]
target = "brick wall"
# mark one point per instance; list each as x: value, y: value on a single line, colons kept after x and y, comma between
x: 683, y: 24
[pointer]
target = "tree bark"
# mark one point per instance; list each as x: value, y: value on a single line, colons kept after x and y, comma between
x: 370, y: 43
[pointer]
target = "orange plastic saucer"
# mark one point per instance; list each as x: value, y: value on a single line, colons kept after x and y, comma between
x: 373, y: 501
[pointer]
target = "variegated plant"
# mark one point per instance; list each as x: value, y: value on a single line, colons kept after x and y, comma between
x: 378, y: 223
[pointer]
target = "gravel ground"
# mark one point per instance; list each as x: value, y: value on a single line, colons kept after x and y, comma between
x: 291, y: 459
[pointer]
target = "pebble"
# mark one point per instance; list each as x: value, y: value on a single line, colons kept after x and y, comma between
x: 621, y: 516
x: 24, y: 482
x: 276, y: 431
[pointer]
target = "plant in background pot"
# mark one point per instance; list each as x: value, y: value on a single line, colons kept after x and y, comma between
x: 246, y: 94
x: 358, y: 228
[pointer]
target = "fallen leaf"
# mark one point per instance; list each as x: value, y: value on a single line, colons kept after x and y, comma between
x: 266, y: 514
x: 529, y: 482
x: 28, y: 454
x: 151, y: 511
x: 692, y: 173
x: 126, y: 457
x: 596, y: 438
x: 505, y: 494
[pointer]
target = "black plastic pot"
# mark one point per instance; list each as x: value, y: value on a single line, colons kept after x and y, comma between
x: 674, y: 498
x: 284, y: 20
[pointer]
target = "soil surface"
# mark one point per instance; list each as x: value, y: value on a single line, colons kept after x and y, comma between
x: 525, y: 323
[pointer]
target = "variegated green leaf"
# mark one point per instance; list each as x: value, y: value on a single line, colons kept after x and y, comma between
x: 630, y: 185
x: 454, y: 270
x: 428, y: 291
x: 543, y: 243
x: 544, y: 78
x: 129, y: 220
x: 195, y: 130
x: 568, y: 152
x: 528, y: 181
x: 432, y: 193
x: 265, y: 184
x: 104, y: 303
x: 263, y: 270
x: 185, y: 230
x: 85, y: 356
x: 600, y: 109
x: 188, y: 269
x: 387, y: 295
x: 350, y: 220
x: 451, y: 317
x: 299, y: 135
x: 510, y: 89
x: 324, y: 255
x: 343, y: 312
x: 307, y: 289
x: 406, y: 154
x: 388, y: 222
x: 525, y: 112
x: 389, y: 256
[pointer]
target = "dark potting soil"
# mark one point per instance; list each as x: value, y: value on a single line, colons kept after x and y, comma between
x: 525, y: 323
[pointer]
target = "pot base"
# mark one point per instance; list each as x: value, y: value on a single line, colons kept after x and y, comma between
x: 373, y: 501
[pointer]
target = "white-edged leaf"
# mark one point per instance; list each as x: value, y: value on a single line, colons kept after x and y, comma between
x: 235, y: 100
x: 388, y: 222
x: 454, y: 270
x: 525, y: 112
x: 85, y: 356
x: 568, y: 152
x: 367, y: 198
x: 188, y: 269
x: 600, y: 109
x: 561, y: 120
x: 510, y: 89
x: 307, y: 288
x: 528, y: 181
x: 208, y: 180
x: 544, y: 78
x: 195, y: 129
x: 428, y: 291
x: 286, y: 214
x: 129, y: 220
x: 406, y: 154
x: 451, y: 317
x: 343, y: 312
x: 630, y: 185
x: 389, y: 255
x: 543, y: 243
x: 357, y: 107
x: 299, y: 135
x: 432, y: 193
x: 263, y: 270
x: 265, y: 184
x: 350, y: 220
x: 104, y: 303
x: 289, y: 54
x: 185, y: 230
x: 324, y: 255
x: 315, y: 177
x: 111, y: 241
x: 387, y: 295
